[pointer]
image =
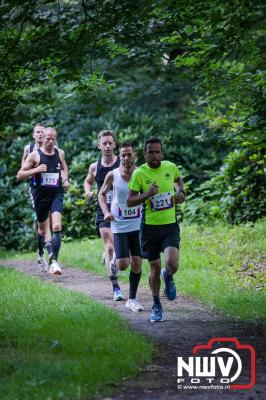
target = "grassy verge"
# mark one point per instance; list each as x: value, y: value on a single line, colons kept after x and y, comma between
x: 57, y: 344
x: 223, y: 266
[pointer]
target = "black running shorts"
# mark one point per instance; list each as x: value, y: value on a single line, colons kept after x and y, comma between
x: 44, y: 207
x: 102, y: 224
x: 156, y: 238
x: 127, y: 243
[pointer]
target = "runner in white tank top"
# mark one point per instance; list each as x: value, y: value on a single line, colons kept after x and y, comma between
x: 125, y: 221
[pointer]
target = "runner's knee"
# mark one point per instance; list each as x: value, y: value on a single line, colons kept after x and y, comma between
x: 122, y: 264
x: 57, y: 227
x: 173, y: 267
x: 136, y: 265
x: 41, y: 231
x: 172, y: 263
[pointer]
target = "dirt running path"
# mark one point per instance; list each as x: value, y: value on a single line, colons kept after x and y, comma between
x: 187, y: 323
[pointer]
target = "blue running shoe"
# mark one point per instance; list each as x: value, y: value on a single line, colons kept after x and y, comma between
x: 117, y: 296
x: 170, y: 289
x: 156, y: 313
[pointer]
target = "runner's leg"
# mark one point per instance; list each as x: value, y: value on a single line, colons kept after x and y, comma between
x: 136, y: 261
x: 42, y: 226
x: 108, y: 239
x: 48, y: 236
x: 134, y: 276
x: 171, y: 260
x: 171, y: 257
x: 57, y: 233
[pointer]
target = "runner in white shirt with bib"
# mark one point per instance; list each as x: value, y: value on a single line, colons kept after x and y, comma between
x: 125, y: 221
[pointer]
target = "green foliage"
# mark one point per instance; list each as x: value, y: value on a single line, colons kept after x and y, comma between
x: 45, y: 41
x: 235, y: 194
x: 242, y: 181
x: 223, y: 49
x: 79, y: 219
x: 16, y: 216
x: 190, y: 73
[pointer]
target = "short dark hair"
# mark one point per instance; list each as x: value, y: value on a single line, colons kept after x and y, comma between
x: 126, y: 144
x: 105, y: 133
x: 152, y: 139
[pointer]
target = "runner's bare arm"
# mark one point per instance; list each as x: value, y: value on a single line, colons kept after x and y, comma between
x: 31, y: 166
x: 26, y: 152
x: 89, y: 181
x: 107, y: 185
x: 64, y: 171
x: 135, y: 199
x: 180, y: 191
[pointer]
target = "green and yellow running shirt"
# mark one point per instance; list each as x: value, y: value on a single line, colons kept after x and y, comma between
x: 160, y: 208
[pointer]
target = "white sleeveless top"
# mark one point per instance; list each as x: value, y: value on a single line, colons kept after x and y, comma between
x: 127, y: 219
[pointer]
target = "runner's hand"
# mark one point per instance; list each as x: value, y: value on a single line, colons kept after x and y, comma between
x: 41, y: 168
x: 108, y: 217
x: 66, y: 185
x: 89, y: 195
x: 153, y: 189
x: 180, y: 197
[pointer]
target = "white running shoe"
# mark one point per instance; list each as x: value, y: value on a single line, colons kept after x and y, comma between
x: 55, y: 268
x: 134, y: 305
x: 42, y: 263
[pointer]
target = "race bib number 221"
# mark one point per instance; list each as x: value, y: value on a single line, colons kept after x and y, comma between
x: 161, y: 201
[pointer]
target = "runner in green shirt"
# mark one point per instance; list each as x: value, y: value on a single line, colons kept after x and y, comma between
x: 158, y: 185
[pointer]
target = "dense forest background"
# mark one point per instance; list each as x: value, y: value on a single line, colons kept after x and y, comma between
x: 192, y: 73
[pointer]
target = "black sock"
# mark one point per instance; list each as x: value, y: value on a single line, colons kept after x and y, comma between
x: 56, y: 244
x: 156, y: 300
x: 114, y: 283
x: 40, y: 240
x: 48, y: 246
x: 134, y: 279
